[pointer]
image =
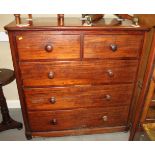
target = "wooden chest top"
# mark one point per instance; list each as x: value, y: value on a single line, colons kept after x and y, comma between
x: 76, y: 24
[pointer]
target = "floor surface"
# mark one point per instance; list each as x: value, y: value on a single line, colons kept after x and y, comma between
x: 18, y: 135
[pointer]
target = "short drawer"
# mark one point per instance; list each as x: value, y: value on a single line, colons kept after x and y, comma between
x: 112, y: 46
x: 78, y: 118
x: 76, y: 72
x: 47, y: 46
x: 78, y: 97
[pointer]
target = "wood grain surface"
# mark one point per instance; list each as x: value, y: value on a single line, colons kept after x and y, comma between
x: 77, y: 73
x: 72, y: 97
x: 77, y: 119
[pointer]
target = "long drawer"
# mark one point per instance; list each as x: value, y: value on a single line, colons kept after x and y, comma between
x: 47, y: 46
x: 78, y: 97
x: 78, y: 118
x: 78, y: 72
x: 112, y: 46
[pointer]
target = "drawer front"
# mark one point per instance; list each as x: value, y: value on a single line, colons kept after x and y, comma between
x: 77, y: 119
x: 112, y: 46
x: 78, y: 97
x: 76, y: 72
x: 45, y: 46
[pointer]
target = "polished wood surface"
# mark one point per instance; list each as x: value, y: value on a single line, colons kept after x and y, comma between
x: 143, y: 89
x: 55, y: 98
x: 47, y: 46
x: 79, y: 118
x: 75, y: 79
x: 146, y: 71
x: 75, y: 24
x: 112, y: 46
x: 77, y: 72
x: 17, y: 18
x: 146, y: 19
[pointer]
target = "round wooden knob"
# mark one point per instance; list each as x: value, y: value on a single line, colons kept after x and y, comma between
x: 48, y: 48
x: 113, y: 47
x: 105, y: 118
x: 53, y: 122
x: 19, y: 38
x: 108, y: 97
x: 52, y: 100
x: 110, y: 72
x: 51, y: 75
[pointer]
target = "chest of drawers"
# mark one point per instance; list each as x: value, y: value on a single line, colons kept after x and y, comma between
x: 73, y: 79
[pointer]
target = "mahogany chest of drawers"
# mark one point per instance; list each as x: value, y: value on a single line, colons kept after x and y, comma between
x: 74, y: 79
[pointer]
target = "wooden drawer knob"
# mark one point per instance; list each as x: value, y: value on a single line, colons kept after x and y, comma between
x: 110, y: 72
x: 48, y: 48
x: 51, y: 75
x: 113, y: 47
x: 105, y: 118
x: 19, y: 38
x: 53, y: 122
x: 52, y: 100
x: 108, y: 97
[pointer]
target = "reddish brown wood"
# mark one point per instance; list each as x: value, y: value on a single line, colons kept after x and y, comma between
x: 85, y: 118
x: 147, y: 19
x: 60, y: 15
x: 60, y: 19
x: 17, y: 19
x: 78, y: 97
x: 76, y: 24
x: 30, y: 16
x: 45, y: 46
x: 138, y: 78
x: 28, y: 133
x: 47, y: 54
x: 76, y: 72
x: 82, y: 131
x: 141, y: 100
x: 112, y: 46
